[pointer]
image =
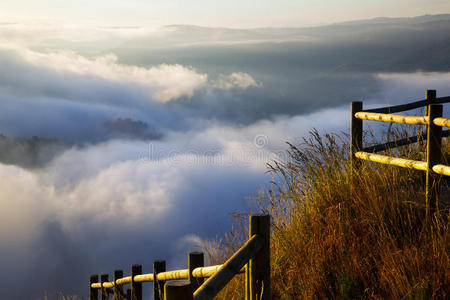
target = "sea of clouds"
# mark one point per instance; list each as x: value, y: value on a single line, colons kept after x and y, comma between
x: 105, y: 202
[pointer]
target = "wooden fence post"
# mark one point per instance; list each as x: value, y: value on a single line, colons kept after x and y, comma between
x: 434, y: 142
x: 105, y: 294
x: 259, y: 266
x: 93, y: 293
x: 430, y: 96
x: 195, y: 260
x: 136, y: 287
x: 178, y: 290
x: 247, y: 282
x: 158, y: 286
x: 118, y: 289
x: 356, y: 134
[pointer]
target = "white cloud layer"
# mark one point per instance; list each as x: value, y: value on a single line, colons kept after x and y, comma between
x: 123, y: 184
x: 401, y: 87
x: 236, y: 80
x: 163, y: 82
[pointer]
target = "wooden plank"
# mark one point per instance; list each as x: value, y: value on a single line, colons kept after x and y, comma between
x: 247, y: 282
x: 394, y: 161
x: 195, y: 260
x: 395, y: 144
x: 399, y: 108
x: 443, y: 122
x: 434, y: 155
x: 202, y: 272
x: 442, y: 169
x: 173, y: 275
x: 104, y: 278
x: 356, y: 127
x: 442, y: 100
x: 408, y: 106
x: 178, y: 290
x: 412, y: 120
x: 136, y: 287
x: 210, y: 288
x: 205, y: 272
x: 259, y: 265
x: 93, y: 291
x: 118, y: 289
x: 124, y: 280
x: 108, y: 284
x: 356, y: 137
x: 158, y: 286
x: 430, y: 96
x: 144, y: 278
x: 402, y: 142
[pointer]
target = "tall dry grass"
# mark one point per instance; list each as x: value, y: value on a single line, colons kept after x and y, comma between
x: 325, y: 244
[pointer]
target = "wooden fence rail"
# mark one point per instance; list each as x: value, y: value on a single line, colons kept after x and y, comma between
x: 253, y: 259
x: 402, y: 142
x: 409, y: 106
x: 412, y: 120
x: 433, y: 120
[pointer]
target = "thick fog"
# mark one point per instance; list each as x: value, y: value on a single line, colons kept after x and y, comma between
x: 126, y: 145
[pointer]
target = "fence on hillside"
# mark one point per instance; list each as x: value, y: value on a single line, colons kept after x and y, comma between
x: 253, y: 259
x: 433, y: 120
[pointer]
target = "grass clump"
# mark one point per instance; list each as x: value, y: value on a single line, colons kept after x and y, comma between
x: 328, y: 244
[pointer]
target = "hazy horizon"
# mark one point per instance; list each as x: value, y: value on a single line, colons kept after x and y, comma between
x: 235, y: 14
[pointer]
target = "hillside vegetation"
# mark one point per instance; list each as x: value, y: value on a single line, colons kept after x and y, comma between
x: 328, y: 245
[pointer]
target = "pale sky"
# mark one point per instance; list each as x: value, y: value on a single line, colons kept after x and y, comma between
x: 230, y: 13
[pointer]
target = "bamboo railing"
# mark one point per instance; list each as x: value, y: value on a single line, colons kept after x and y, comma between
x: 433, y: 166
x: 253, y: 259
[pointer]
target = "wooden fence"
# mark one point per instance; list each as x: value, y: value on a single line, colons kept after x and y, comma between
x: 253, y: 259
x: 433, y: 120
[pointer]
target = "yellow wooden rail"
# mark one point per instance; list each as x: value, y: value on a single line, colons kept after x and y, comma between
x: 401, y: 162
x: 203, y: 272
x: 206, y: 272
x: 412, y: 120
x: 442, y: 169
x: 253, y: 258
x: 124, y: 280
x: 388, y: 160
x: 443, y: 122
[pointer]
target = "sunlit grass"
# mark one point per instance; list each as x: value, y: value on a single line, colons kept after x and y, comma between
x: 328, y: 245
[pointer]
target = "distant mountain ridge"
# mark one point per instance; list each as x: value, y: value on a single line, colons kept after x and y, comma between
x: 193, y: 36
x: 287, y: 30
x: 410, y: 20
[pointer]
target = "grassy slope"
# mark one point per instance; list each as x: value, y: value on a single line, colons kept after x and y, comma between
x: 328, y: 245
